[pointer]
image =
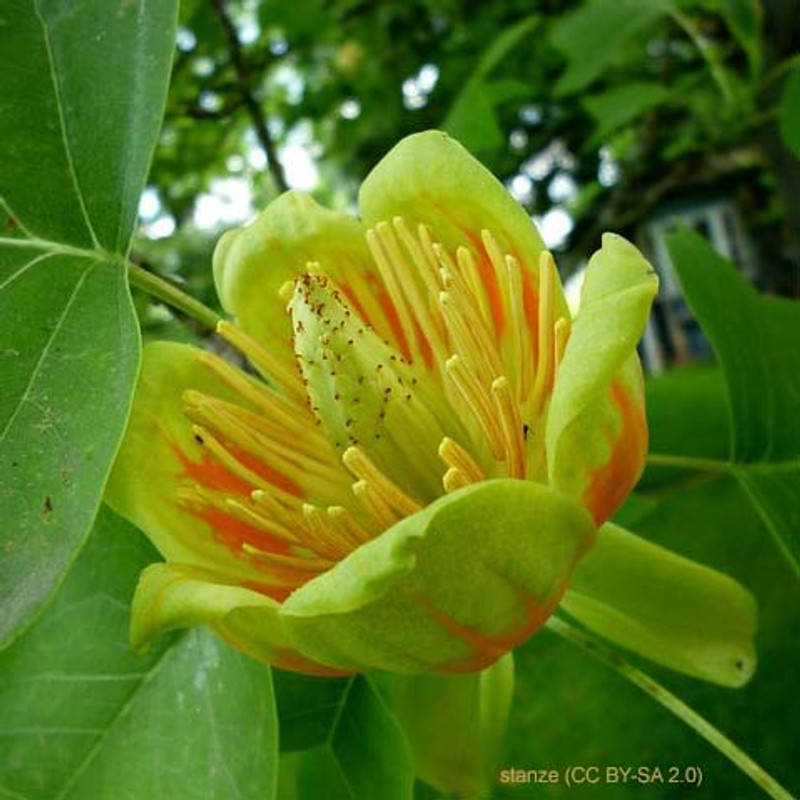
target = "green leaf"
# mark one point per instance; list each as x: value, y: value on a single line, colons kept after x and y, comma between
x: 359, y: 751
x: 83, y: 91
x: 789, y: 113
x: 83, y: 716
x: 472, y: 118
x: 623, y: 104
x: 745, y: 18
x: 591, y: 36
x: 86, y: 85
x: 68, y: 360
x: 761, y: 363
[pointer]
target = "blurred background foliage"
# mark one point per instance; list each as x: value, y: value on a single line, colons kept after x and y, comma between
x: 596, y: 114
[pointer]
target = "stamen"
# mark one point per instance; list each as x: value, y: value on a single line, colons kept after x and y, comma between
x: 455, y: 456
x: 547, y: 282
x: 374, y: 504
x: 292, y: 416
x: 480, y: 404
x: 469, y: 335
x: 508, y: 414
x: 421, y: 253
x: 348, y: 526
x: 268, y: 366
x: 421, y: 308
x: 323, y: 534
x: 498, y: 262
x: 521, y: 344
x: 395, y: 498
x: 454, y: 479
x: 252, y: 517
x: 292, y: 562
x: 377, y: 241
x: 232, y: 464
x: 469, y: 271
x: 317, y: 473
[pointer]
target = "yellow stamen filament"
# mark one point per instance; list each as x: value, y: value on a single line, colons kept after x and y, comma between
x: 477, y: 399
x: 233, y: 465
x: 270, y: 367
x: 292, y: 416
x: 421, y: 253
x: 348, y: 525
x: 399, y: 277
x: 375, y: 505
x: 327, y: 539
x: 376, y: 241
x: 498, y: 261
x: 521, y: 344
x: 469, y: 335
x: 456, y: 457
x: 317, y: 473
x: 252, y: 517
x: 292, y: 562
x: 454, y: 479
x: 545, y: 351
x: 395, y: 498
x: 508, y: 413
x: 466, y: 264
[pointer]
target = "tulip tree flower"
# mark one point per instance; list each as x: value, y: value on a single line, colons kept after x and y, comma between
x: 419, y: 463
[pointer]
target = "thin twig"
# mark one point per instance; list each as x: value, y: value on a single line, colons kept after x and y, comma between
x: 242, y: 71
x: 675, y: 705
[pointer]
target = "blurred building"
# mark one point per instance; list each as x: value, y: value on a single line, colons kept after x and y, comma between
x: 673, y: 335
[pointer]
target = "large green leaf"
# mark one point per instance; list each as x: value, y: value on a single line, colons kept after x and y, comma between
x: 590, y: 37
x: 755, y: 338
x: 63, y: 399
x: 83, y: 92
x: 616, y: 107
x: 83, y: 716
x: 81, y: 100
x: 345, y: 742
x: 472, y: 119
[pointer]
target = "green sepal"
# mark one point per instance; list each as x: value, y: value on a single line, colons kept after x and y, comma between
x: 456, y: 725
x: 665, y: 607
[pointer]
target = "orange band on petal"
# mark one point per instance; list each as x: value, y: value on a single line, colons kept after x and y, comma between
x: 486, y: 649
x: 490, y: 284
x: 610, y: 485
x: 210, y: 474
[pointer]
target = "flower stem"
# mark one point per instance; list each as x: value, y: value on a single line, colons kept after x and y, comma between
x: 675, y: 705
x: 689, y: 462
x: 172, y: 295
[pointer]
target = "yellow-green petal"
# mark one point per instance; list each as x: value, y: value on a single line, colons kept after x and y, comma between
x: 451, y: 588
x: 160, y: 455
x: 665, y: 607
x: 170, y: 596
x: 596, y: 434
x: 430, y: 179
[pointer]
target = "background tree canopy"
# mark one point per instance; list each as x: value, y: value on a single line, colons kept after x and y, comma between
x: 594, y: 113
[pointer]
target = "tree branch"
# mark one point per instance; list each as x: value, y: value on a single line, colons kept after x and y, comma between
x: 249, y: 100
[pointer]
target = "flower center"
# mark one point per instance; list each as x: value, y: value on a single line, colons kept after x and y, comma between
x: 431, y: 375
